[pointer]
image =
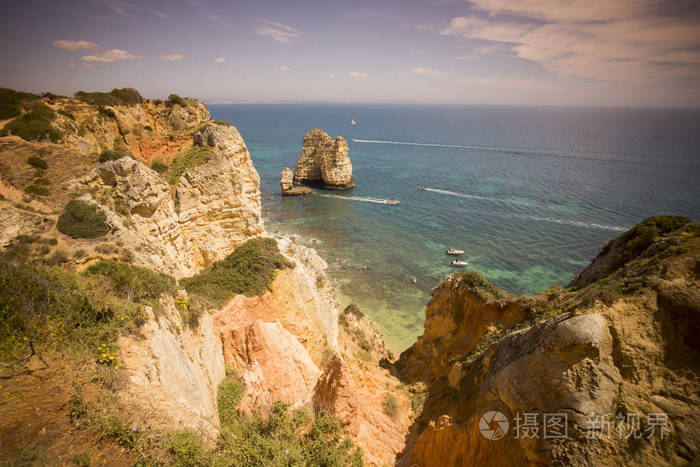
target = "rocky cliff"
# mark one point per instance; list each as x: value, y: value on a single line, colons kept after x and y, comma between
x: 610, y: 362
x: 203, y: 201
x: 324, y: 161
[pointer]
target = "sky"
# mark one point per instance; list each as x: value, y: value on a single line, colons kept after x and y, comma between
x: 502, y: 52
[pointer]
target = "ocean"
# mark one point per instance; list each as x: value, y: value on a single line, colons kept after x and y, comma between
x: 530, y: 194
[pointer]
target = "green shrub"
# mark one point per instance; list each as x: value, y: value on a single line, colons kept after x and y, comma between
x: 12, y: 102
x: 190, y: 158
x: 109, y: 113
x: 133, y: 282
x: 82, y: 220
x: 147, y: 128
x: 54, y: 308
x: 641, y: 236
x: 355, y: 310
x: 124, y: 96
x: 38, y: 162
x: 42, y: 182
x: 481, y: 287
x: 112, y: 155
x: 174, y: 99
x: 248, y: 271
x: 35, y: 123
x: 81, y: 459
x: 37, y: 190
x: 187, y: 449
x: 391, y: 405
x: 66, y: 114
x: 227, y: 399
x: 159, y: 167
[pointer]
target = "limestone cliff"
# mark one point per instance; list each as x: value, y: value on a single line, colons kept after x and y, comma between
x: 287, y: 184
x: 621, y: 346
x: 324, y: 161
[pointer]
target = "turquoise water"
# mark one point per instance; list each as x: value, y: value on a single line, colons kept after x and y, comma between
x: 530, y: 194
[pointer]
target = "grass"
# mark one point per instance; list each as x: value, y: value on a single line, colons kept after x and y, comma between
x: 34, y: 124
x: 124, y: 96
x: 227, y: 399
x: 192, y: 157
x: 82, y: 220
x: 66, y: 114
x: 132, y: 282
x: 249, y: 270
x: 58, y: 310
x: 13, y: 102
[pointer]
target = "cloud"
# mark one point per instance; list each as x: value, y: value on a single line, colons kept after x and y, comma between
x: 331, y: 75
x: 625, y: 41
x: 220, y: 60
x: 75, y: 45
x: 109, y: 56
x: 123, y: 8
x: 424, y: 71
x: 282, y: 33
x: 285, y: 68
x: 171, y: 57
x: 357, y: 74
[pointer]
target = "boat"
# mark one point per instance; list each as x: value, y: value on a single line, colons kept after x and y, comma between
x: 391, y: 201
x: 353, y: 122
x: 421, y: 188
x: 459, y: 264
x: 413, y: 279
x: 452, y: 251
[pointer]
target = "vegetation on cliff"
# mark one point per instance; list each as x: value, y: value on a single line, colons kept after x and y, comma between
x: 34, y: 124
x: 249, y: 270
x: 124, y: 96
x: 13, y: 102
x: 82, y: 220
x: 196, y: 155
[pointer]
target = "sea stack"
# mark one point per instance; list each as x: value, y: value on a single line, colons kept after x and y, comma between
x: 324, y: 162
x: 287, y: 184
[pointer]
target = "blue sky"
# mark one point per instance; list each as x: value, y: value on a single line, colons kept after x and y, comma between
x: 549, y: 52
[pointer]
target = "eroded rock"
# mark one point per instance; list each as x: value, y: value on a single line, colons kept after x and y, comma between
x: 324, y: 161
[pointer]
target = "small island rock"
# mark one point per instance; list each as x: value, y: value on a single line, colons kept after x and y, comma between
x: 324, y: 161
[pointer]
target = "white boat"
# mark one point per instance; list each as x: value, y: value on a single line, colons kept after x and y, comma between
x: 391, y: 201
x: 459, y: 264
x: 452, y: 251
x: 353, y: 122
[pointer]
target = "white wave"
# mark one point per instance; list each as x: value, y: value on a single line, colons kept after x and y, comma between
x: 436, y: 145
x: 460, y: 195
x: 365, y: 199
x: 555, y: 220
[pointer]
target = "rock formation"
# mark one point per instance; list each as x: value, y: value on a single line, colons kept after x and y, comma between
x: 213, y: 207
x: 173, y: 377
x: 287, y: 184
x: 324, y: 161
x: 616, y: 357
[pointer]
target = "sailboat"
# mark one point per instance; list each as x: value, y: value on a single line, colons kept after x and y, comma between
x: 353, y: 122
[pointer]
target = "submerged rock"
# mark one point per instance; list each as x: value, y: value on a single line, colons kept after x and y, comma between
x: 324, y: 161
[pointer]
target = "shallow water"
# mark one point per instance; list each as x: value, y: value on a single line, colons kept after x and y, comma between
x: 530, y: 194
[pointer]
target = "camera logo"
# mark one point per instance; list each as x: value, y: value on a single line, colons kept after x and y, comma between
x: 493, y: 425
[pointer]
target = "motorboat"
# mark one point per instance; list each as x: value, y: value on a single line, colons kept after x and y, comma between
x: 421, y: 188
x: 452, y: 251
x: 391, y: 201
x: 459, y: 264
x: 353, y: 122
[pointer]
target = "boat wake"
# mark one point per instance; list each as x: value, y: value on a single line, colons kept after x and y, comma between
x: 554, y: 220
x: 365, y: 199
x: 591, y: 225
x: 435, y: 145
x: 459, y: 195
